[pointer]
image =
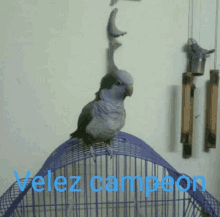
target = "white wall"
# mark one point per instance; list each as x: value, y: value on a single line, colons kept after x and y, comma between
x: 53, y: 55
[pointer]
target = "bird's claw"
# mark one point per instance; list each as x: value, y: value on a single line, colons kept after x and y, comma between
x: 110, y: 151
x: 93, y: 153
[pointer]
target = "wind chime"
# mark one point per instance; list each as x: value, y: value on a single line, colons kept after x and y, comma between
x: 196, y: 66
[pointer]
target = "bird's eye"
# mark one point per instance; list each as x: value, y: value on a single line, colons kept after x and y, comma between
x: 118, y: 83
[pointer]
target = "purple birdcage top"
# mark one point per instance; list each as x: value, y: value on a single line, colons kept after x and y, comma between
x: 124, y: 144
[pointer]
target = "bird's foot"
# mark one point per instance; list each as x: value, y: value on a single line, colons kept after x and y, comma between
x: 93, y: 153
x: 110, y: 150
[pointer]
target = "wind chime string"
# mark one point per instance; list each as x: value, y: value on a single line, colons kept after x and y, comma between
x: 200, y: 19
x: 190, y: 20
x: 189, y: 23
x: 216, y: 34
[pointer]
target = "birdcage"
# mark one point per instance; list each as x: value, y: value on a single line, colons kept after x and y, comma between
x: 99, y: 196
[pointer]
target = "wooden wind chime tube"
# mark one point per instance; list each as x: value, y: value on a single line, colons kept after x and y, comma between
x: 212, y: 93
x: 187, y: 113
x: 212, y: 109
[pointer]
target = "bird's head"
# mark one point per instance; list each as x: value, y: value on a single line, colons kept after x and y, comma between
x: 116, y: 85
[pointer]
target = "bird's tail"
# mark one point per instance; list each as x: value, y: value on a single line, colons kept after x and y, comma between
x: 75, y: 134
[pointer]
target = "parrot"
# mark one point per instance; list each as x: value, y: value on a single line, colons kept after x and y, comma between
x: 102, y: 118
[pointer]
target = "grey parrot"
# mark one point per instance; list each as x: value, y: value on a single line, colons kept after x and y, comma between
x: 102, y: 118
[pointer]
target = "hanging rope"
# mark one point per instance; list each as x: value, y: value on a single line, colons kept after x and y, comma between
x: 216, y: 34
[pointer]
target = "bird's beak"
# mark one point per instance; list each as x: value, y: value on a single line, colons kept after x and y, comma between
x: 129, y: 90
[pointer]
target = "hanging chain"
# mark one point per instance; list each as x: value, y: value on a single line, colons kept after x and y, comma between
x: 216, y: 34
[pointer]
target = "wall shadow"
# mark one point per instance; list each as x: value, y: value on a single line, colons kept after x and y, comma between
x: 208, y: 103
x: 174, y: 117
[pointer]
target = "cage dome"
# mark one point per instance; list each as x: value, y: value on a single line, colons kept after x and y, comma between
x: 132, y: 157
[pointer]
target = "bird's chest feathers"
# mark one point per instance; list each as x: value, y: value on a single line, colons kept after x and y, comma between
x: 108, y: 119
x: 112, y: 114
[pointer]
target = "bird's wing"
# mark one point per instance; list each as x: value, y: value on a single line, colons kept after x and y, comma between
x: 86, y: 116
